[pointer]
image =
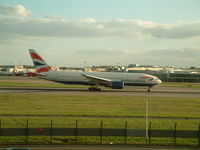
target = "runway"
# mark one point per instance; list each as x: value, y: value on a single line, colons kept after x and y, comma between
x: 128, y: 91
x: 159, y: 91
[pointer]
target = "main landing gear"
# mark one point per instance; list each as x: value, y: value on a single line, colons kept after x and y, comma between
x: 149, y: 89
x: 94, y: 89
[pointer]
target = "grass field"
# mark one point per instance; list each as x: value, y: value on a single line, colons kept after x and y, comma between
x: 168, y: 110
x: 68, y: 122
x: 90, y: 122
x: 180, y: 84
x: 42, y: 104
x: 40, y: 122
x: 180, y: 110
x: 32, y: 84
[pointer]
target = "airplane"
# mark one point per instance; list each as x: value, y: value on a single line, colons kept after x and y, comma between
x: 113, y: 80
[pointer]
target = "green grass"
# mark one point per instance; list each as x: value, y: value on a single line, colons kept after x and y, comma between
x: 180, y: 84
x: 41, y: 104
x: 98, y: 106
x: 170, y: 108
x: 68, y: 122
x: 32, y: 84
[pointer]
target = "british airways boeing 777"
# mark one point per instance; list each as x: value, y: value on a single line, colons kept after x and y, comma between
x: 113, y: 80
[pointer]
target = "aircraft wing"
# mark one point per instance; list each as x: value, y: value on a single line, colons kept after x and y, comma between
x: 95, y: 79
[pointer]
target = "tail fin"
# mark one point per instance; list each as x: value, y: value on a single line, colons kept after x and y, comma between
x: 39, y: 63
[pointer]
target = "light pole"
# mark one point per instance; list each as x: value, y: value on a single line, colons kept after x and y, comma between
x: 147, y: 119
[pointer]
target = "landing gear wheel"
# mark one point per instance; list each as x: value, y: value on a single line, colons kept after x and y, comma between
x: 94, y: 89
x: 98, y: 89
x: 149, y: 89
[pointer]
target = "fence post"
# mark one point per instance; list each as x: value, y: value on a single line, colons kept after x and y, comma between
x: 125, y: 132
x: 76, y: 132
x: 51, y: 131
x: 150, y: 133
x: 175, y: 133
x: 199, y: 134
x: 26, y: 131
x: 101, y: 133
x: 0, y: 129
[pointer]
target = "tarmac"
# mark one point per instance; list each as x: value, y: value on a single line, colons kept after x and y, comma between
x: 98, y: 147
x: 128, y: 91
x: 157, y: 91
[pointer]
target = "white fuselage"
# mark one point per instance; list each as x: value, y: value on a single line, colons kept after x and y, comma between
x: 129, y: 79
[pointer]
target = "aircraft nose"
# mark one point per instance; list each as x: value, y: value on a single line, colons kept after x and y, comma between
x: 159, y: 81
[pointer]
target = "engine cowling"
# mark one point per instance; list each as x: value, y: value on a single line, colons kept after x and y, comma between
x: 117, y: 85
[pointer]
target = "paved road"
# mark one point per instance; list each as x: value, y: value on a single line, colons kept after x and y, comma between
x: 108, y: 147
x: 129, y: 91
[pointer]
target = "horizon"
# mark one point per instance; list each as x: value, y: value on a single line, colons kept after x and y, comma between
x: 107, y: 65
x: 69, y: 33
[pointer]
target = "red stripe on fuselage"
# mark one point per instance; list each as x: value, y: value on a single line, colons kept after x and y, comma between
x: 45, y: 69
x: 146, y: 77
x: 31, y: 74
x: 35, y: 56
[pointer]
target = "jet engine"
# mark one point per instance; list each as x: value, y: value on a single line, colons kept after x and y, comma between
x: 117, y: 85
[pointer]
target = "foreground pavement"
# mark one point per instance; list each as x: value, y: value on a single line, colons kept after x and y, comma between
x: 98, y: 147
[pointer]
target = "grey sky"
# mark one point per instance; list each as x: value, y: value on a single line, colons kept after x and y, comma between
x: 105, y: 40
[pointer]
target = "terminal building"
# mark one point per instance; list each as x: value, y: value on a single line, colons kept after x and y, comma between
x: 169, y: 74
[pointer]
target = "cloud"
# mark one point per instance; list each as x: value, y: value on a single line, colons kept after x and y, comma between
x: 15, y: 21
x: 176, y: 52
x: 178, y: 30
x: 106, y: 51
x: 14, y: 11
x: 173, y: 56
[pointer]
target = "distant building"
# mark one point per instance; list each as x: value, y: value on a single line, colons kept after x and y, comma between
x: 15, y: 69
x: 55, y: 68
x: 133, y: 65
x: 143, y: 69
x: 70, y: 69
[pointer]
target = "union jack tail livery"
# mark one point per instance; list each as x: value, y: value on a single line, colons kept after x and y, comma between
x: 39, y: 63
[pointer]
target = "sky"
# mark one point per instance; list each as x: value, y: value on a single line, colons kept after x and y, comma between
x: 77, y: 33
